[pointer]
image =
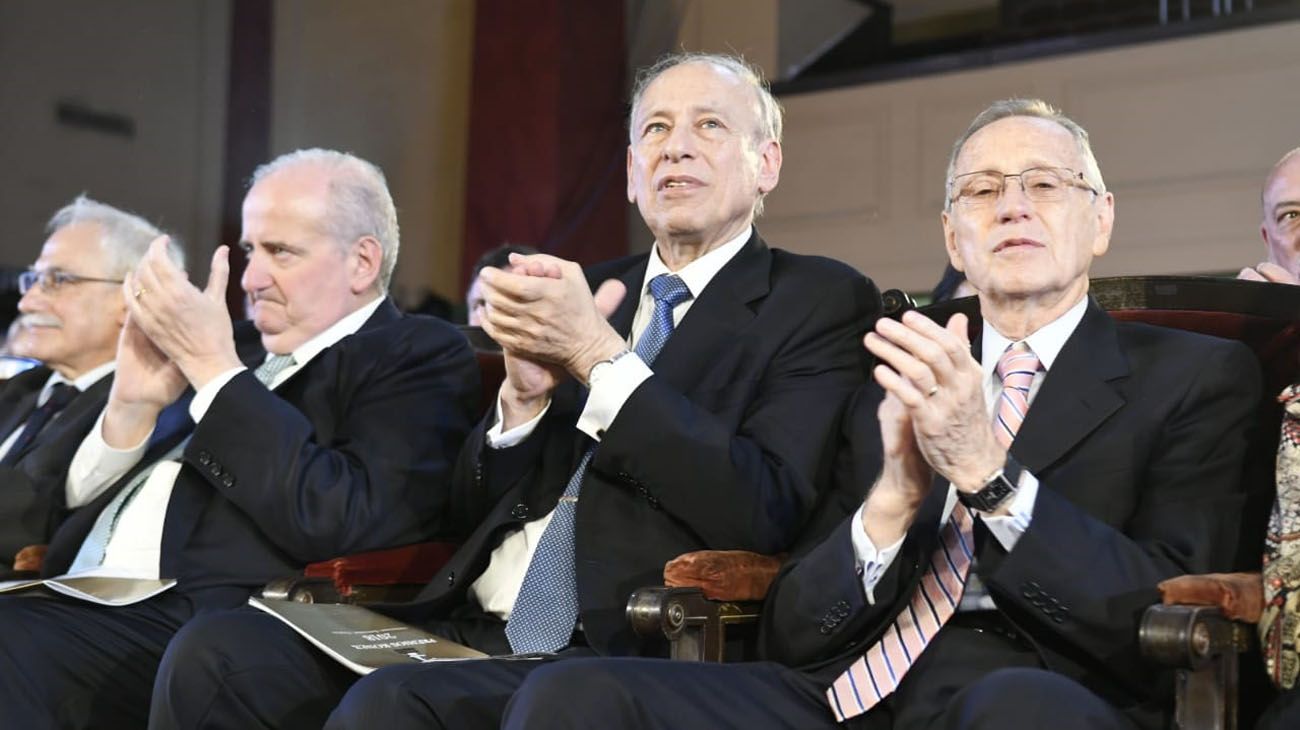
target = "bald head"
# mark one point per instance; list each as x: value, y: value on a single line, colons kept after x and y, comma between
x: 1280, y: 200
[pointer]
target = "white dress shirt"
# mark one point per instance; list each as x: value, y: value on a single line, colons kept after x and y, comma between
x: 83, y: 381
x: 135, y: 546
x: 1046, y: 343
x: 498, y: 586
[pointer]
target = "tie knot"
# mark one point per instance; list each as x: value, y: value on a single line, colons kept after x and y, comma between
x: 60, y: 395
x: 267, y: 371
x: 1017, y: 362
x: 669, y: 289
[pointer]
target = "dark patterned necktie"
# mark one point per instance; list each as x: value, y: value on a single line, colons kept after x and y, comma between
x: 61, y: 394
x: 546, y: 609
x: 1279, y: 627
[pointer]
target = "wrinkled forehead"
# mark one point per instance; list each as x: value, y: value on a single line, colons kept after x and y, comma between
x: 79, y: 243
x: 1284, y: 185
x: 693, y: 87
x: 287, y: 198
x: 1019, y: 143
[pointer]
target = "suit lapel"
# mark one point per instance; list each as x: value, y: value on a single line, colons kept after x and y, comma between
x: 714, y: 319
x: 19, y: 399
x: 1076, y: 396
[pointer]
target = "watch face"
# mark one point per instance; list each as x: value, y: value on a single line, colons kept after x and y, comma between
x: 988, y: 498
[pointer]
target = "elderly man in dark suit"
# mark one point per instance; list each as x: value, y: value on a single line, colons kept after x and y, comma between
x: 1036, y: 486
x: 71, y: 314
x: 327, y: 427
x: 689, y: 403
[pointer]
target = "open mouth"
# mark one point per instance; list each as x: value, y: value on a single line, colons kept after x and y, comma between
x: 679, y: 182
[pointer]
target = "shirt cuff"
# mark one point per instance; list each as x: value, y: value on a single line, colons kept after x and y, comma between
x: 608, y: 393
x: 96, y: 465
x: 872, y: 563
x: 1009, y: 527
x: 204, y: 396
x: 498, y: 439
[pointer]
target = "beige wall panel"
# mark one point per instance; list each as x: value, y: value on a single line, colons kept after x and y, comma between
x: 1184, y: 129
x: 393, y: 87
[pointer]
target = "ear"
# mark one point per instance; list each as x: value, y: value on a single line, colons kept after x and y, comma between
x: 950, y: 242
x: 364, y: 264
x: 769, y: 165
x: 631, y: 184
x: 1263, y: 233
x: 1105, y: 223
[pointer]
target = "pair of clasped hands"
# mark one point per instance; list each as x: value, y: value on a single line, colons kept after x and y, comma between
x: 933, y: 418
x: 550, y: 326
x: 175, y: 335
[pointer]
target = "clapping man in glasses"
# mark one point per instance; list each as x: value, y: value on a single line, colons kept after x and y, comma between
x: 1037, y: 484
x: 71, y: 313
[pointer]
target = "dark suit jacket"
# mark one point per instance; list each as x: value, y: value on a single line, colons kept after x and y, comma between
x: 724, y: 447
x: 31, y: 490
x: 353, y: 452
x: 1136, y: 437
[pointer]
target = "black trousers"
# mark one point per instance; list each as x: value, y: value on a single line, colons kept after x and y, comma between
x: 245, y: 669
x: 965, y: 679
x: 70, y: 664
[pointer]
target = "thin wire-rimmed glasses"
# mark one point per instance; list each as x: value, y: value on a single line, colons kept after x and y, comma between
x: 51, y: 280
x: 1041, y: 184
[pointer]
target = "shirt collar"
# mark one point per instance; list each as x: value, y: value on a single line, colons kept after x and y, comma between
x: 349, y: 324
x: 1046, y: 341
x: 81, y: 383
x: 698, y: 273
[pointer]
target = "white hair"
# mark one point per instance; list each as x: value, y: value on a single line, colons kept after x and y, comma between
x: 124, y: 237
x: 1038, y: 109
x: 360, y: 204
x: 771, y: 120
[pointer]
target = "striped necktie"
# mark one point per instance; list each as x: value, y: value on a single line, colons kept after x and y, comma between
x: 546, y: 608
x: 876, y: 674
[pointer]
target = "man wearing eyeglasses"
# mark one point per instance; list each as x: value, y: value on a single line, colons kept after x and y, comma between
x: 1037, y: 484
x: 71, y: 313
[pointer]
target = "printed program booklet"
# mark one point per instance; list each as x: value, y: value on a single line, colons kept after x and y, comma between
x: 95, y: 586
x: 361, y: 639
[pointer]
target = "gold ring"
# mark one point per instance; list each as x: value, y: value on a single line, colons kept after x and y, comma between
x: 933, y: 389
x: 140, y: 292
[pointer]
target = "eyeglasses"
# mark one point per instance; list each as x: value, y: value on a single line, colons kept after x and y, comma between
x: 1041, y: 184
x: 51, y: 280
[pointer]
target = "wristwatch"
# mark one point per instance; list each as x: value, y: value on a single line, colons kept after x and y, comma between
x: 601, y: 365
x: 996, y: 490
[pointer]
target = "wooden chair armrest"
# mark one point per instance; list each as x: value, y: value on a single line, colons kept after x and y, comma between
x: 724, y: 575
x: 395, y: 574
x: 30, y: 558
x: 1239, y: 596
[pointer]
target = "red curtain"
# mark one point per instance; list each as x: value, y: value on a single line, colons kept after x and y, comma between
x: 547, y: 142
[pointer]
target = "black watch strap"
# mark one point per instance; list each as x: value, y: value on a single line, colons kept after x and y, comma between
x: 997, y: 490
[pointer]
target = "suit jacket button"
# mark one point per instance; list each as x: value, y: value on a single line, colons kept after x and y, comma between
x: 228, y: 480
x: 451, y: 579
x: 205, y: 458
x: 826, y: 630
x: 520, y: 511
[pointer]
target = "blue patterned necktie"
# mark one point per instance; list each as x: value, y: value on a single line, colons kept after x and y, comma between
x: 95, y: 547
x: 546, y: 609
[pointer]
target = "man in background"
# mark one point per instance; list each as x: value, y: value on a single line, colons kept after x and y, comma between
x: 70, y: 318
x: 1280, y: 226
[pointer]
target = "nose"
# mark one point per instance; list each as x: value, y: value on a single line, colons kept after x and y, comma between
x: 1013, y: 204
x: 254, y: 277
x: 33, y: 300
x: 679, y: 144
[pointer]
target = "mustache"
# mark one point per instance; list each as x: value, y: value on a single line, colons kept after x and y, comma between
x: 39, y: 319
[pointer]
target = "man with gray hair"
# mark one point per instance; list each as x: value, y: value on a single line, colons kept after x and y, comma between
x: 630, y: 429
x: 1036, y: 485
x: 229, y: 455
x: 70, y: 318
